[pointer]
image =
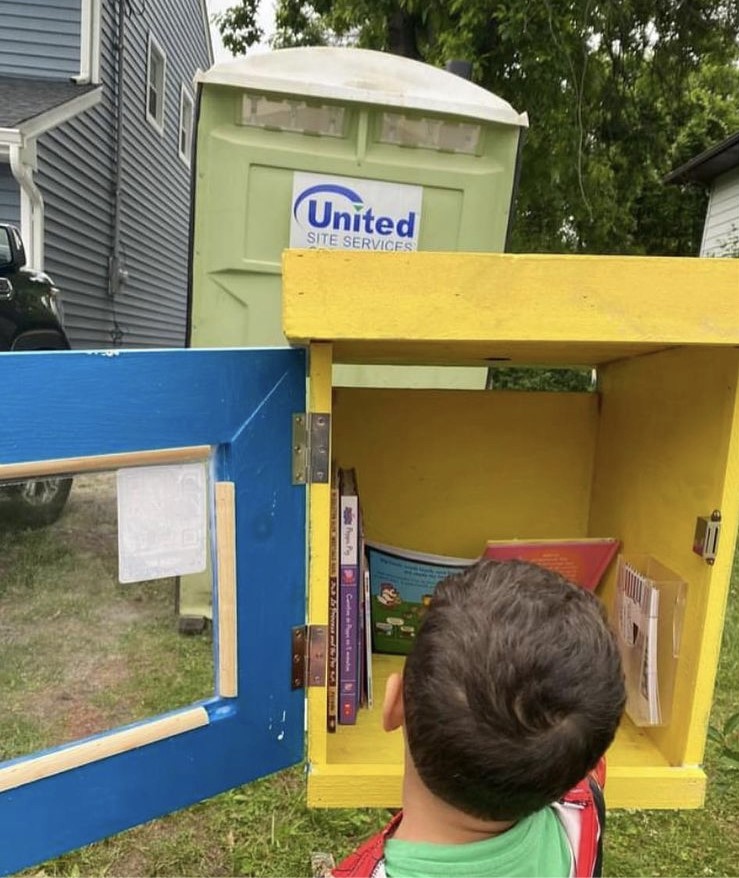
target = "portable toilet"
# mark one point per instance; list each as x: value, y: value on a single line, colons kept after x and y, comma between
x: 336, y: 148
x: 339, y: 148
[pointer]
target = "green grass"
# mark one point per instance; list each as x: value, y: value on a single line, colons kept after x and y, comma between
x: 265, y: 828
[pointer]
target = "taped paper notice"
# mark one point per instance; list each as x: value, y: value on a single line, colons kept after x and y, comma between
x: 162, y: 522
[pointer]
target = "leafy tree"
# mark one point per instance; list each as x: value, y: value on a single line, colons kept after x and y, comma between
x: 239, y: 27
x: 618, y: 94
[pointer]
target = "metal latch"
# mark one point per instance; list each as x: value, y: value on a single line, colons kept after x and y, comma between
x: 707, y: 532
x: 311, y: 437
x: 309, y: 656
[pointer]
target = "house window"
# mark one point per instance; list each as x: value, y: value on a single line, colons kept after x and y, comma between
x: 156, y: 70
x: 185, y: 144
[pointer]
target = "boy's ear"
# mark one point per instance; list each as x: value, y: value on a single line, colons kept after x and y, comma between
x: 393, y: 714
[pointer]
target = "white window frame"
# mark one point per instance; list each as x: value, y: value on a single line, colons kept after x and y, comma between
x: 185, y: 101
x: 154, y: 46
x: 90, y: 14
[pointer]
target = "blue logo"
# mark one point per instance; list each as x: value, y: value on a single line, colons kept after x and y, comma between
x: 332, y: 208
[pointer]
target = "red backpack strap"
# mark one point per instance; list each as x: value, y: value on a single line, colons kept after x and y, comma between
x: 363, y: 862
x: 583, y: 813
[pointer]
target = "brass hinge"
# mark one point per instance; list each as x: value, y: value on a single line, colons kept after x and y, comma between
x: 308, y: 656
x: 311, y: 438
x: 707, y: 532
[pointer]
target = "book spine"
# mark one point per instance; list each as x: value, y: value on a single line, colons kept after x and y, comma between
x: 367, y: 630
x: 332, y: 693
x: 348, y: 608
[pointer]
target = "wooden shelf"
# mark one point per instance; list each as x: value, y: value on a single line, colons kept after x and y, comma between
x: 364, y: 764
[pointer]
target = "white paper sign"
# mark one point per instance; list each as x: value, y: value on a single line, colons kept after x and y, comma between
x: 344, y: 213
x: 161, y: 521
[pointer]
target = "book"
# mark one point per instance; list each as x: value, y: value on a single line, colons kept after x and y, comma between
x: 648, y: 616
x: 348, y: 698
x: 367, y: 604
x: 401, y: 584
x: 332, y: 670
x: 582, y: 561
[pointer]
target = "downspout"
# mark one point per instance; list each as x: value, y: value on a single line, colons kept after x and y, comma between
x: 22, y: 159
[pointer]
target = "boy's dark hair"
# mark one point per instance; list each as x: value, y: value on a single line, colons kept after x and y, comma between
x: 513, y: 691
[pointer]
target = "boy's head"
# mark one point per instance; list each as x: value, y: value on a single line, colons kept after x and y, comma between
x: 513, y: 691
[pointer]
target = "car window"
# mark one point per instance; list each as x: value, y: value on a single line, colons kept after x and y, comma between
x: 5, y: 253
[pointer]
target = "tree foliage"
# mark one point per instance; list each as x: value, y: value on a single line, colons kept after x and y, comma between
x: 618, y: 94
x: 239, y: 27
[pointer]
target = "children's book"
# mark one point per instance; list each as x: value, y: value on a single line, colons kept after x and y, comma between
x: 401, y: 584
x: 367, y: 697
x: 582, y: 561
x: 648, y: 616
x: 332, y: 673
x: 349, y: 596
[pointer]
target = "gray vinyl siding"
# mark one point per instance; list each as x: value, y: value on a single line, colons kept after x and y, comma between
x: 721, y: 229
x: 40, y: 37
x: 76, y: 175
x: 156, y: 205
x: 10, y: 203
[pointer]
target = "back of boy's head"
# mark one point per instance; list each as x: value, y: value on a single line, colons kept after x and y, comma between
x: 513, y: 691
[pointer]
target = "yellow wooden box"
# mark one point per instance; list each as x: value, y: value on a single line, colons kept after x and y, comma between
x: 443, y: 471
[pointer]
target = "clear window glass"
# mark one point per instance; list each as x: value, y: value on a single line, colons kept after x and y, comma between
x: 156, y: 76
x: 186, y: 116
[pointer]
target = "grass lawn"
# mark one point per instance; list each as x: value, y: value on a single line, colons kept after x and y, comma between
x: 80, y: 653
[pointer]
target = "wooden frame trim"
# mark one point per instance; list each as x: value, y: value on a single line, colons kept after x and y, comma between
x: 69, y: 466
x: 226, y: 589
x: 112, y: 744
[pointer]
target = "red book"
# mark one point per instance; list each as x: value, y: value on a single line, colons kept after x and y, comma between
x: 582, y: 561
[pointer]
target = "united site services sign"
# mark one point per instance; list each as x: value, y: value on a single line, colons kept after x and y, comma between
x: 343, y: 213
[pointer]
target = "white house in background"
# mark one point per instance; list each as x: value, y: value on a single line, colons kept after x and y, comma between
x: 717, y: 168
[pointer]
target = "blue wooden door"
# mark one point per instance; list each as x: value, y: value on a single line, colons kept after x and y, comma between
x: 239, y: 404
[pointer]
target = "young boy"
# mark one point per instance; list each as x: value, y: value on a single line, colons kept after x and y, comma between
x: 511, y: 696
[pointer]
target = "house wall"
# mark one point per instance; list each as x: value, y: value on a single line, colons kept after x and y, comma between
x: 156, y: 201
x: 721, y: 228
x: 76, y: 174
x: 75, y: 177
x: 10, y: 206
x: 40, y: 38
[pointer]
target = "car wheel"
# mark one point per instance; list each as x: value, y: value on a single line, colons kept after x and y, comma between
x: 38, y: 503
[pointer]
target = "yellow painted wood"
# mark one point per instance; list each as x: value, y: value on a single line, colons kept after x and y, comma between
x: 658, y: 467
x: 455, y: 307
x: 367, y: 742
x: 444, y: 471
x: 226, y: 590
x: 376, y: 786
x: 76, y: 755
x: 319, y: 505
x: 100, y: 462
x: 656, y: 788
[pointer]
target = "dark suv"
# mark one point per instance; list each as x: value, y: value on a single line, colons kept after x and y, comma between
x: 30, y: 320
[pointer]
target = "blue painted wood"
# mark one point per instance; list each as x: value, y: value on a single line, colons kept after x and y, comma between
x: 74, y: 403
